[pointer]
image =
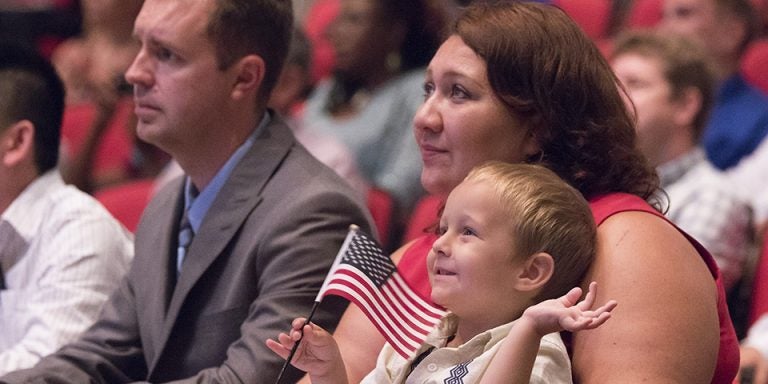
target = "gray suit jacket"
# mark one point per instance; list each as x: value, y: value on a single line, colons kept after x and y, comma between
x: 256, y: 262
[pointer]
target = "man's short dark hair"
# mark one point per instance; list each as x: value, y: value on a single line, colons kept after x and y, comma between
x: 263, y: 27
x: 31, y: 90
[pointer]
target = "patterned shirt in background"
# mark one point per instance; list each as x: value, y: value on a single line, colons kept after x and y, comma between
x: 701, y: 204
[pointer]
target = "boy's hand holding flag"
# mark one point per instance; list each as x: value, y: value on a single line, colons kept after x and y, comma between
x: 363, y: 274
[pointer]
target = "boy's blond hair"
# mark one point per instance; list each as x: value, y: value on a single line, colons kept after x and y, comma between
x: 546, y: 215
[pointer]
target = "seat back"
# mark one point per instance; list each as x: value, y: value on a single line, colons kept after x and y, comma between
x: 644, y: 14
x: 381, y: 205
x: 424, y: 216
x: 754, y: 64
x: 114, y: 151
x: 126, y: 202
x: 592, y: 16
x: 758, y: 302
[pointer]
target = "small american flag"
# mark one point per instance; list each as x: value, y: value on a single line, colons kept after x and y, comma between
x: 364, y: 275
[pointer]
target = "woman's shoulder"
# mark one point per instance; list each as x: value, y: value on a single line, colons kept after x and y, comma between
x: 637, y: 241
x: 608, y: 205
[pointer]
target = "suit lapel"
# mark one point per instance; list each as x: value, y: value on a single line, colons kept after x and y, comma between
x: 155, y: 240
x: 239, y: 196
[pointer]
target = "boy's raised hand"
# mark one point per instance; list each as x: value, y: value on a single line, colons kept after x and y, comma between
x: 317, y: 354
x: 566, y: 313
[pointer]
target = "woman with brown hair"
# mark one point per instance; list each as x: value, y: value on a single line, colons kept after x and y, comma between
x: 519, y: 82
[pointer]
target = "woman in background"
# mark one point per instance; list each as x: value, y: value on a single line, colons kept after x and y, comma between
x: 381, y: 47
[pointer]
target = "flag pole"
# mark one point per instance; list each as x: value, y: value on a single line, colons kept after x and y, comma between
x: 339, y: 256
x: 296, y: 344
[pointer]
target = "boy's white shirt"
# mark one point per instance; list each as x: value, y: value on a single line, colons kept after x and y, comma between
x: 467, y: 362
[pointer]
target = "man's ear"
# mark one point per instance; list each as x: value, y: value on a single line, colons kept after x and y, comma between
x: 249, y: 72
x: 689, y: 106
x: 17, y: 143
x: 535, y: 272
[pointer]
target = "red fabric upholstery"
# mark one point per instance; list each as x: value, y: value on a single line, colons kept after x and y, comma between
x: 382, y: 207
x: 645, y: 14
x: 754, y: 64
x: 319, y: 17
x: 116, y: 147
x: 591, y: 15
x: 425, y: 215
x: 759, y: 298
x: 127, y: 201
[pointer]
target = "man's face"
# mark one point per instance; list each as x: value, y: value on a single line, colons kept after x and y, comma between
x: 650, y: 92
x: 703, y: 23
x: 179, y: 91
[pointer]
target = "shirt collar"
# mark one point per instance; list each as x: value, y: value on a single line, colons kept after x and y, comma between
x: 24, y: 212
x: 197, y: 204
x: 447, y: 327
x: 673, y: 170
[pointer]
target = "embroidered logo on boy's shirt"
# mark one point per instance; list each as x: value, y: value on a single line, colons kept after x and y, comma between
x: 457, y: 374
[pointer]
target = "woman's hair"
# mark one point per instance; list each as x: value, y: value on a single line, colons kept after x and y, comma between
x: 543, y: 67
x: 546, y: 215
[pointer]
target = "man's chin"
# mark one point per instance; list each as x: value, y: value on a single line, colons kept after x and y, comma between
x: 149, y: 133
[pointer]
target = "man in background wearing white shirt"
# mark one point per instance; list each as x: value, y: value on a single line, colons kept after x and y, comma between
x: 61, y: 253
x: 671, y: 85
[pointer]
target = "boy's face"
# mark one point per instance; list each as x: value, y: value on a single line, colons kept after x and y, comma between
x: 473, y: 266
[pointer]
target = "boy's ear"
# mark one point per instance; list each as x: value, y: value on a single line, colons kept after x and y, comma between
x: 17, y: 143
x: 535, y: 272
x: 250, y: 75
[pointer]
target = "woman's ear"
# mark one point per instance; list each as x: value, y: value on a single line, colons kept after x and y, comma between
x: 531, y: 147
x: 17, y: 143
x: 535, y: 272
x: 249, y: 76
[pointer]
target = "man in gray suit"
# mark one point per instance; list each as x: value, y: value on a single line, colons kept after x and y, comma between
x: 228, y: 255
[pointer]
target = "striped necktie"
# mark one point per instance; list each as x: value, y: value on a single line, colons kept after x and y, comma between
x: 185, y: 239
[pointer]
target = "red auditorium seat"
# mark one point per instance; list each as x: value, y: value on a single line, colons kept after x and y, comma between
x: 644, y: 14
x: 116, y: 147
x: 319, y: 17
x: 591, y: 15
x: 381, y: 206
x: 759, y: 296
x: 754, y: 64
x: 423, y: 217
x: 127, y: 201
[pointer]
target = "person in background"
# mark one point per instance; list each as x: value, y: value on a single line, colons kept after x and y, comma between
x: 288, y: 99
x: 61, y: 253
x: 670, y: 85
x: 738, y: 122
x: 754, y: 354
x: 95, y: 61
x: 381, y: 48
x: 500, y: 279
x: 520, y: 82
x: 93, y: 67
x: 234, y: 250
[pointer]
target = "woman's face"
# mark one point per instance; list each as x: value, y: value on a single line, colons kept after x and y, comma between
x: 359, y: 36
x: 462, y: 122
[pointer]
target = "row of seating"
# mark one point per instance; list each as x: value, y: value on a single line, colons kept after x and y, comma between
x: 127, y: 201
